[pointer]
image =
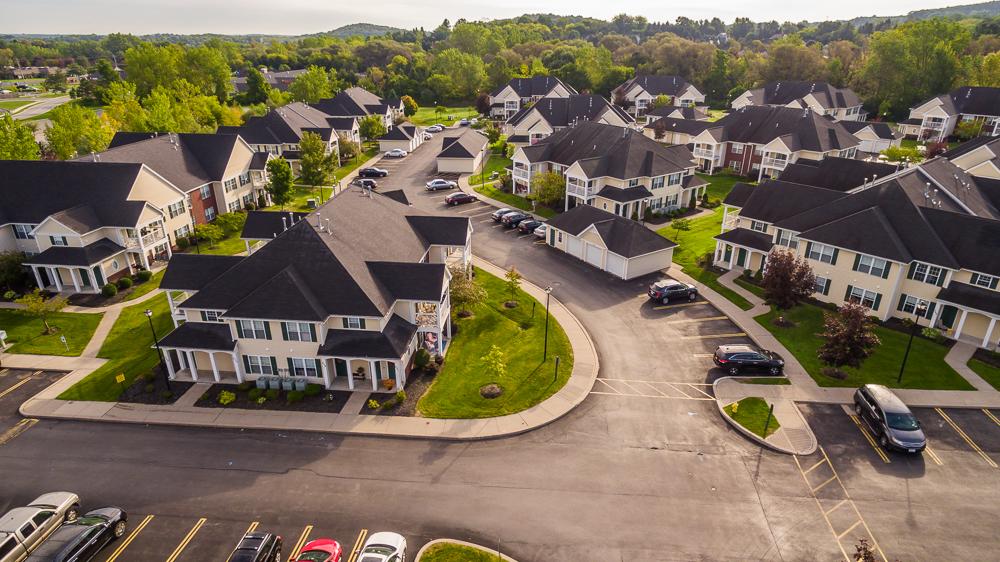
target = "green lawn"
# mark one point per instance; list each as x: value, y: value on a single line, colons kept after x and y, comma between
x: 426, y: 116
x: 519, y: 332
x: 721, y: 184
x: 767, y: 380
x: 716, y: 114
x: 446, y: 552
x: 925, y: 367
x: 24, y: 333
x: 129, y: 350
x: 141, y: 289
x: 752, y: 413
x: 355, y: 163
x: 755, y: 289
x: 228, y: 246
x: 514, y: 201
x: 11, y: 105
x: 496, y: 163
x: 989, y: 373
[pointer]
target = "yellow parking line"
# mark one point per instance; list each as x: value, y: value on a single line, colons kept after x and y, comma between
x: 817, y: 488
x: 815, y: 466
x: 19, y: 428
x: 870, y: 439
x: 849, y: 529
x: 128, y: 540
x: 180, y: 548
x: 358, y: 543
x: 16, y: 385
x: 676, y: 305
x: 933, y: 455
x: 689, y: 320
x: 250, y: 529
x: 300, y: 542
x: 710, y: 336
x: 834, y: 508
x: 966, y: 437
x: 990, y: 415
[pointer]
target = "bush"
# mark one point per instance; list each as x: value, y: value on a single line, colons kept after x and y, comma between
x: 373, y: 404
x: 124, y: 283
x: 150, y: 387
x: 255, y: 393
x: 143, y: 276
x: 226, y: 398
x: 273, y: 394
x: 400, y: 396
x: 166, y: 394
x: 294, y: 396
x: 439, y: 359
x: 183, y: 243
x: 10, y: 295
x: 313, y: 389
x: 261, y: 400
x: 251, y: 207
x: 421, y: 359
x: 934, y: 334
x: 245, y: 386
x: 109, y: 290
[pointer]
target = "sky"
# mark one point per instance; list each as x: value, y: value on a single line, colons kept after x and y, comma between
x: 294, y: 17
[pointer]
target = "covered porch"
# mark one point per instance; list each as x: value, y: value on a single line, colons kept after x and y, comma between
x: 968, y: 313
x: 742, y: 248
x: 77, y: 269
x: 202, y: 352
x: 363, y: 359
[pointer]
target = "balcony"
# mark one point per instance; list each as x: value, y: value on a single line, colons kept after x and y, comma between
x: 521, y: 174
x: 146, y: 240
x: 580, y: 190
x: 772, y: 162
x: 933, y: 125
x: 706, y: 153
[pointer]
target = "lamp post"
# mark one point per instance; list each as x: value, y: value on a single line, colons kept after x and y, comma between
x: 156, y: 342
x: 545, y: 348
x: 920, y: 310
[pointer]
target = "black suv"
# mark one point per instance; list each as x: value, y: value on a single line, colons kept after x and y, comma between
x: 83, y: 538
x: 667, y: 290
x: 372, y: 173
x: 258, y: 547
x: 738, y: 358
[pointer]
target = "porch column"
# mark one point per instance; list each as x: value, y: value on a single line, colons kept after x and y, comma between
x: 38, y: 278
x: 247, y: 242
x: 238, y: 365
x: 170, y: 252
x: 173, y: 309
x: 169, y: 363
x: 935, y: 314
x: 350, y: 375
x: 732, y: 256
x: 72, y: 277
x: 215, y: 368
x: 371, y: 365
x: 55, y: 277
x: 961, y: 323
x: 326, y: 372
x: 192, y: 365
x: 400, y: 375
x: 181, y: 359
x: 145, y: 259
x: 989, y: 333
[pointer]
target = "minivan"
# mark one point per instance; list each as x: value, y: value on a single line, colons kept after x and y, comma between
x: 894, y: 425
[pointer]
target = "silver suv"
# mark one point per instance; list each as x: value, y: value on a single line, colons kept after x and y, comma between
x: 22, y: 529
x: 893, y: 424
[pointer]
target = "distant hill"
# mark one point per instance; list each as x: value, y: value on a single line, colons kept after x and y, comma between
x: 358, y: 30
x: 982, y: 10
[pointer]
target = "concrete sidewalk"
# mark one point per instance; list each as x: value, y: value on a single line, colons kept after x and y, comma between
x: 183, y: 413
x: 794, y: 436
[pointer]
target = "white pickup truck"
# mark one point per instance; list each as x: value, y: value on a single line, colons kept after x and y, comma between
x: 22, y: 529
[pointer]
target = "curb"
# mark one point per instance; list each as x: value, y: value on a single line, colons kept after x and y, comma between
x: 427, y: 546
x: 753, y: 436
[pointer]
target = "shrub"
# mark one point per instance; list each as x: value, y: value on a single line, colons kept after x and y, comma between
x: 388, y: 384
x: 255, y: 393
x: 109, y: 290
x: 400, y: 396
x: 313, y: 389
x: 933, y: 334
x: 143, y: 276
x: 294, y: 396
x: 421, y: 359
x: 251, y: 207
x: 245, y: 386
x: 166, y: 394
x: 124, y: 283
x: 273, y: 394
x: 226, y: 398
x: 183, y: 243
x: 150, y: 387
x: 261, y: 400
x: 373, y: 404
x: 10, y: 295
x: 439, y: 359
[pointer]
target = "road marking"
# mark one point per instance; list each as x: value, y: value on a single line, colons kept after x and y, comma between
x: 849, y: 529
x: 709, y: 336
x: 4, y: 372
x: 539, y: 241
x: 637, y: 392
x: 990, y: 415
x: 16, y: 385
x: 966, y: 437
x: 128, y: 540
x: 525, y: 235
x: 933, y: 455
x: 473, y: 210
x: 19, y: 428
x: 300, y: 543
x: 358, y: 543
x: 250, y: 529
x: 870, y: 439
x: 690, y: 320
x: 180, y: 548
x: 703, y: 354
x: 834, y: 508
x: 817, y: 488
x: 674, y: 305
x: 815, y: 466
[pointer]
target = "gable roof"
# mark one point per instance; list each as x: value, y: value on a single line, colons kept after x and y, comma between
x: 352, y: 102
x: 972, y: 100
x: 965, y: 190
x: 678, y: 112
x: 880, y: 129
x: 191, y: 272
x: 533, y: 86
x: 799, y: 129
x: 840, y: 174
x: 622, y: 236
x: 972, y: 144
x: 265, y: 225
x: 966, y: 238
x: 775, y: 200
x: 466, y: 144
x: 671, y: 124
x: 657, y: 85
x: 785, y: 92
x: 91, y: 254
x: 403, y: 132
x: 283, y: 125
x: 564, y: 112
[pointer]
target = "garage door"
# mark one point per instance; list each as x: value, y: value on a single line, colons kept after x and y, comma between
x: 575, y: 247
x: 595, y: 255
x: 616, y: 265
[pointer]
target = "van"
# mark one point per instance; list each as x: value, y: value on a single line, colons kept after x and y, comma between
x: 894, y: 425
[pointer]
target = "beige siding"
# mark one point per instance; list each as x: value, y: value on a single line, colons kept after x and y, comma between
x: 642, y: 265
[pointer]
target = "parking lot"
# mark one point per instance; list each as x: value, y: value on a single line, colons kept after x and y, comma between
x: 17, y: 385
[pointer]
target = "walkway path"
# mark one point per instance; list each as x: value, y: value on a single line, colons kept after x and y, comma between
x: 793, y: 436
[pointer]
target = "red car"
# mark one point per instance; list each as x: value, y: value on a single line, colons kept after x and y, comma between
x: 321, y: 550
x: 459, y: 198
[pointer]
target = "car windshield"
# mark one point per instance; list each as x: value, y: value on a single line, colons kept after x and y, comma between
x: 89, y: 520
x: 314, y: 556
x: 902, y: 422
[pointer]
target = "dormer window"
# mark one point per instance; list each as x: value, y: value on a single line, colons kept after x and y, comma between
x: 758, y: 226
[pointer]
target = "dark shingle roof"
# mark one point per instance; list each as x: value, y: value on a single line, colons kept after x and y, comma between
x: 283, y: 125
x: 785, y: 92
x: 259, y: 160
x: 88, y: 255
x: 467, y: 144
x: 622, y: 236
x: 739, y: 194
x: 971, y: 296
x: 624, y: 195
x: 881, y: 129
x: 799, y: 129
x: 390, y: 343
x: 970, y: 145
x: 410, y: 281
x: 688, y: 126
x: 665, y: 85
x: 264, y: 225
x: 962, y: 187
x: 201, y: 335
x: 400, y: 132
x: 748, y: 238
x: 534, y: 86
x: 973, y: 241
x: 678, y: 112
x: 776, y: 200
x: 975, y: 100
x: 191, y: 272
x: 352, y: 102
x: 839, y: 174
x: 564, y: 112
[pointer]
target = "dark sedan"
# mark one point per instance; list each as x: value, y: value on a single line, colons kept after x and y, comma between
x: 459, y: 198
x: 82, y: 539
x: 527, y: 226
x: 372, y: 173
x: 513, y: 219
x: 736, y: 359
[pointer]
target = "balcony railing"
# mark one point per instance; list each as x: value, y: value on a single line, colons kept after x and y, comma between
x: 703, y: 153
x: 580, y: 190
x: 936, y: 125
x: 522, y: 174
x: 145, y: 240
x: 772, y: 162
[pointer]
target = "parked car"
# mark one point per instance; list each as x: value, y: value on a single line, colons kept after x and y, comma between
x: 437, y: 184
x: 463, y: 123
x: 510, y: 220
x: 529, y: 225
x: 435, y: 128
x: 893, y: 424
x: 23, y: 529
x: 83, y: 538
x: 542, y: 230
x: 667, y: 290
x: 459, y: 198
x: 396, y: 153
x: 257, y: 547
x: 321, y: 550
x: 372, y: 173
x: 428, y: 136
x: 474, y: 121
x: 384, y: 547
x: 499, y: 213
x: 365, y: 183
x: 736, y: 359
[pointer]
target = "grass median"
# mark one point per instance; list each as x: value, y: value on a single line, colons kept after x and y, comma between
x: 752, y: 413
x: 26, y: 334
x: 451, y: 552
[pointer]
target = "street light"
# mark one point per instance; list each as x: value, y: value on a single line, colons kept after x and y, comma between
x: 156, y: 342
x: 920, y: 311
x: 545, y: 349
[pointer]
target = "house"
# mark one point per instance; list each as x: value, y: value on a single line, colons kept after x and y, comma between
x: 671, y: 130
x: 892, y: 247
x: 463, y: 152
x: 404, y: 137
x: 609, y: 242
x: 279, y: 80
x: 840, y: 104
x: 839, y: 174
x: 346, y: 128
x: 761, y: 140
x: 612, y: 168
x: 936, y: 119
x: 328, y: 301
x: 979, y: 157
x: 510, y: 98
x: 213, y: 170
x: 549, y: 115
x: 875, y: 136
x: 674, y: 112
x: 360, y: 103
x: 637, y: 94
x: 83, y: 224
x: 280, y: 130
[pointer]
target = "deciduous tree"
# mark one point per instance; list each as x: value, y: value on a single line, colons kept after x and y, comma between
x: 372, y: 127
x: 466, y: 293
x: 316, y: 165
x: 36, y: 305
x: 549, y: 188
x: 513, y: 281
x: 848, y: 336
x: 311, y: 86
x: 279, y: 184
x: 410, y: 106
x: 495, y: 362
x: 77, y: 130
x: 788, y: 280
x: 17, y: 140
x: 13, y: 274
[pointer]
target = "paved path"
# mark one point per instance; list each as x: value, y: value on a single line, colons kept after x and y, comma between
x: 794, y: 436
x: 41, y: 106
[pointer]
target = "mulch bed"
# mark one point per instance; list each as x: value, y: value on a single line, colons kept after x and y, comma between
x: 988, y: 357
x: 327, y: 401
x: 139, y: 393
x: 416, y: 385
x: 95, y: 300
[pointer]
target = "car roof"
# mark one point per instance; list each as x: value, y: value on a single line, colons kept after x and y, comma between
x: 13, y: 519
x: 887, y: 399
x: 62, y: 539
x: 739, y: 348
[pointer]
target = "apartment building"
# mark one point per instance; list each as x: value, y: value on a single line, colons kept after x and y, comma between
x: 840, y: 104
x: 550, y: 115
x: 637, y: 95
x: 510, y: 98
x: 280, y: 130
x: 936, y: 119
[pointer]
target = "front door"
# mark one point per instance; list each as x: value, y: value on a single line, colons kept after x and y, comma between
x: 340, y: 367
x: 948, y: 314
x: 729, y: 253
x: 741, y: 257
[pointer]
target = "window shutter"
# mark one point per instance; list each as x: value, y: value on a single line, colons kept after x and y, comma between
x: 847, y: 295
x: 204, y: 317
x: 878, y: 299
x: 312, y: 332
x: 809, y: 247
x: 319, y: 368
x: 836, y: 252
x: 909, y: 272
x: 857, y: 261
x: 826, y: 287
x: 274, y: 365
x: 246, y: 364
x: 267, y: 330
x: 930, y: 311
x: 940, y: 279
x: 974, y: 279
x: 239, y: 329
x: 362, y: 323
x: 344, y: 320
x: 291, y: 367
x: 993, y: 284
x: 885, y: 272
x: 902, y: 301
x: 284, y: 331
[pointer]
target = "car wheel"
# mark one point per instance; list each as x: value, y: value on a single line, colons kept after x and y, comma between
x: 72, y: 513
x: 857, y: 408
x: 692, y: 296
x: 774, y: 370
x: 883, y: 441
x: 665, y: 300
x: 734, y: 370
x: 119, y: 529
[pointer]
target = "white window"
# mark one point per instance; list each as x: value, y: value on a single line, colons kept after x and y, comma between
x: 230, y: 185
x: 58, y: 241
x: 910, y: 304
x: 988, y: 281
x: 298, y: 331
x: 182, y: 231
x: 633, y: 182
x: 735, y: 165
x: 254, y: 329
x: 354, y: 323
x: 758, y: 150
x: 758, y: 226
x: 787, y: 239
x: 233, y: 206
x: 822, y: 285
x: 872, y: 265
x: 931, y: 274
x: 206, y: 191
x: 245, y: 178
x: 736, y: 148
x: 259, y: 365
x: 658, y: 181
x: 302, y: 367
x: 23, y: 232
x: 674, y: 179
x: 864, y: 297
x: 209, y: 315
x: 820, y: 252
x: 175, y: 209
x: 209, y: 213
